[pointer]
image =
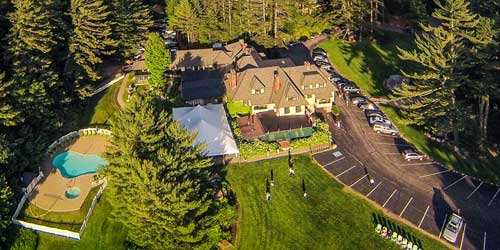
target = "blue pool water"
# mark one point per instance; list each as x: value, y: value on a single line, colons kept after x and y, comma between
x: 73, y: 164
x: 72, y: 192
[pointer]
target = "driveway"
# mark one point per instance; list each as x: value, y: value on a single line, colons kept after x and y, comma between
x: 421, y: 192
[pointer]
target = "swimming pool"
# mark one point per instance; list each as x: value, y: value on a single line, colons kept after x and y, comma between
x: 72, y: 164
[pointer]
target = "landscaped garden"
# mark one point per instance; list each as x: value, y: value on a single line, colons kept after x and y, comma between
x: 368, y: 64
x: 332, y: 217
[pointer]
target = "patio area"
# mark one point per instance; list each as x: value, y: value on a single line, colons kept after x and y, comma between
x: 50, y: 193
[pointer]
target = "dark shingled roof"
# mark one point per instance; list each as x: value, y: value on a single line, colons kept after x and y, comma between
x: 202, y: 84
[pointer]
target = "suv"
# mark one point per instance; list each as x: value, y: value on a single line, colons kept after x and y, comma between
x: 410, y: 154
x: 319, y: 51
x: 453, y: 228
x: 351, y: 89
x: 385, y: 129
x: 377, y: 120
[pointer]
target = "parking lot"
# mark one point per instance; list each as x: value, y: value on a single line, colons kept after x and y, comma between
x: 422, y: 192
x: 419, y: 191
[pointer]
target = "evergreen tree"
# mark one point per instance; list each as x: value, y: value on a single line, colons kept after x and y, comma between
x: 31, y: 41
x: 170, y: 8
x: 159, y: 182
x: 186, y: 20
x: 132, y: 22
x: 91, y: 39
x: 6, y: 204
x: 7, y: 112
x: 157, y: 59
x: 431, y: 99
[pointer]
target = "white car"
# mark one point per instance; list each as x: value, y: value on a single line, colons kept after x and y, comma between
x: 375, y: 119
x: 385, y: 129
x: 410, y: 154
x: 351, y: 89
x: 320, y: 59
x: 453, y: 228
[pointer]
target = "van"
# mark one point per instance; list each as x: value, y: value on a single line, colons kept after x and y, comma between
x: 385, y: 129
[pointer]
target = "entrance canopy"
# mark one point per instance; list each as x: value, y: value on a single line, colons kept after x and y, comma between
x: 211, y: 124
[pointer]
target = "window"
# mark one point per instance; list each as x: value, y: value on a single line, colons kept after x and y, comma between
x: 322, y: 85
x: 287, y: 110
x: 258, y: 91
x: 298, y: 109
x: 259, y: 107
x: 309, y: 96
x: 291, y: 98
x: 307, y: 87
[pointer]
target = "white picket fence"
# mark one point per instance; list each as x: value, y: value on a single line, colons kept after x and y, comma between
x: 72, y: 136
x: 94, y: 201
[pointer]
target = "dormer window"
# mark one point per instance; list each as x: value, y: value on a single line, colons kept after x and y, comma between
x: 322, y: 85
x: 307, y: 86
x: 291, y: 98
x: 258, y: 91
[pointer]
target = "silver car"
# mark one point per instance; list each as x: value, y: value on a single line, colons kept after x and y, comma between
x: 453, y: 228
x: 385, y: 129
x: 410, y: 154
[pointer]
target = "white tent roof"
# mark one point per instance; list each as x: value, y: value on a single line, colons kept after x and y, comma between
x: 211, y: 124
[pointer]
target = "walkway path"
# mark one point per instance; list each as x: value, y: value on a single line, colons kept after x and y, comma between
x: 119, y: 94
x: 107, y: 85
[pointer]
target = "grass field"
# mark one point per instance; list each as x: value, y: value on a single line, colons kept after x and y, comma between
x: 331, y: 218
x: 368, y: 64
x: 101, y: 233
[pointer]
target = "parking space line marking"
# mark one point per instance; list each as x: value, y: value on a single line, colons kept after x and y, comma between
x: 404, y: 209
x: 423, y: 217
x: 453, y: 184
x: 345, y: 171
x: 343, y: 157
x: 484, y: 241
x: 440, y: 172
x: 392, y: 136
x: 463, y: 234
x: 362, y: 177
x: 478, y: 186
x: 494, y: 196
x: 395, y: 144
x: 368, y: 194
x: 415, y: 164
x: 388, y: 199
x: 442, y: 226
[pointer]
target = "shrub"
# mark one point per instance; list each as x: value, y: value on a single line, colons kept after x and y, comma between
x: 238, y: 108
x: 336, y: 110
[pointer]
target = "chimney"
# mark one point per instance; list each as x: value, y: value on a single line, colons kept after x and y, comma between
x: 276, y: 84
x: 232, y: 78
x: 242, y: 43
x: 247, y: 51
x: 307, y: 65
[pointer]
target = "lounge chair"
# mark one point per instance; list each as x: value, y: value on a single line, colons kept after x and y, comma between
x: 394, y: 236
x: 415, y: 247
x: 400, y: 240
x: 378, y: 229
x: 404, y: 243
x: 384, y: 232
x: 410, y: 246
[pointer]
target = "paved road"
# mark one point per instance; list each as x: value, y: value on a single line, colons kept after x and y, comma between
x: 419, y: 191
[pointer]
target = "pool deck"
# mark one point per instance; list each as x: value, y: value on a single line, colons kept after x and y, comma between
x: 49, y: 194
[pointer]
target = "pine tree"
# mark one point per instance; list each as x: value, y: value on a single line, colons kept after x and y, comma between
x: 91, y: 39
x: 31, y: 41
x: 7, y: 112
x: 186, y: 20
x: 6, y: 204
x: 159, y: 182
x: 132, y: 22
x: 431, y: 99
x: 170, y: 8
x: 157, y: 59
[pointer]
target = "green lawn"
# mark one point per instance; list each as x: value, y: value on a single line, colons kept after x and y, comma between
x: 68, y: 220
x: 101, y: 233
x: 368, y: 64
x: 331, y: 218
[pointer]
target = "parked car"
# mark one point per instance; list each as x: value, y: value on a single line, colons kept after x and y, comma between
x: 377, y: 114
x: 411, y: 154
x: 319, y: 51
x: 351, y: 89
x: 385, y: 129
x: 368, y: 106
x: 374, y: 119
x: 358, y: 100
x: 319, y: 63
x: 320, y: 58
x: 370, y: 112
x: 453, y: 228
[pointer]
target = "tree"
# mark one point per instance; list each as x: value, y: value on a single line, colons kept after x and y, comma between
x: 157, y: 59
x: 7, y: 112
x: 431, y: 99
x: 170, y: 8
x: 159, y: 181
x: 131, y: 24
x: 186, y: 20
x: 91, y: 38
x: 6, y: 204
x: 32, y: 39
